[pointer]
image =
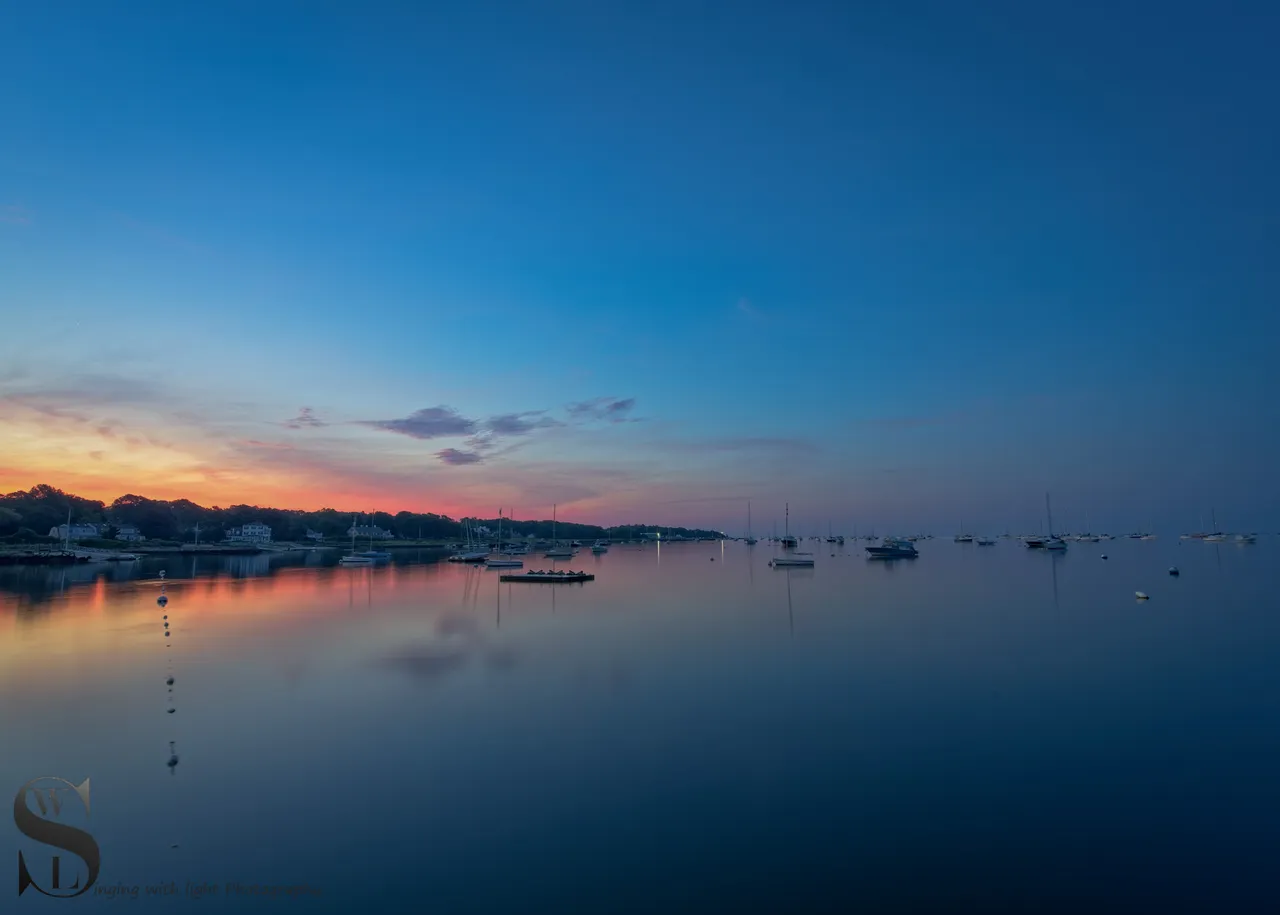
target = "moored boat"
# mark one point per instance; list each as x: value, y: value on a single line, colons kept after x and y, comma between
x: 893, y: 548
x: 552, y: 576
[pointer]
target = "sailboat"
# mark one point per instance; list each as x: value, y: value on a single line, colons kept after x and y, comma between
x: 556, y: 551
x: 750, y: 541
x: 498, y: 563
x: 469, y: 553
x: 353, y: 558
x: 513, y: 548
x: 1217, y: 536
x: 1054, y: 542
x: 789, y: 542
x: 371, y: 553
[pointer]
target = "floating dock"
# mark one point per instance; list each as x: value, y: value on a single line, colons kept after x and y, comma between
x: 553, y: 577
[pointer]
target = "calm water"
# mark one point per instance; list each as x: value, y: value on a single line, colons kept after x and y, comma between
x: 987, y: 728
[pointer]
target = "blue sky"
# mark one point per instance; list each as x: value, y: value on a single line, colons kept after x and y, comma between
x: 903, y: 264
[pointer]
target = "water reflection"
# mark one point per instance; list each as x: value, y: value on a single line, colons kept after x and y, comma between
x: 916, y: 726
x: 33, y: 587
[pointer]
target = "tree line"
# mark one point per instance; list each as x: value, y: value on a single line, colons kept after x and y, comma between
x: 29, y: 516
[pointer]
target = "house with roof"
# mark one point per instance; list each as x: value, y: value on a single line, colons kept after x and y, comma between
x: 253, y: 532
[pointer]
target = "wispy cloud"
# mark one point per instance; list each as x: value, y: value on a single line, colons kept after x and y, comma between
x: 454, y: 457
x: 609, y: 409
x: 432, y: 422
x: 306, y: 419
x: 520, y: 423
x: 16, y: 215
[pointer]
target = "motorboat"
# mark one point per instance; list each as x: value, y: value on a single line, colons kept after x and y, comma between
x: 893, y: 548
x: 792, y: 559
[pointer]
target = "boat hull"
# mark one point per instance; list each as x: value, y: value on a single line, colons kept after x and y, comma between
x: 549, y: 577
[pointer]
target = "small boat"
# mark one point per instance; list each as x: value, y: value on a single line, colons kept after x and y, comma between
x: 553, y: 577
x: 375, y: 554
x: 575, y: 544
x: 788, y: 540
x: 354, y: 558
x: 599, y: 548
x: 964, y: 538
x: 557, y: 552
x: 1140, y: 596
x: 1034, y: 543
x: 496, y: 562
x: 792, y: 559
x: 1173, y: 570
x: 1055, y: 543
x: 986, y: 541
x: 1246, y: 538
x: 893, y: 548
x: 469, y: 553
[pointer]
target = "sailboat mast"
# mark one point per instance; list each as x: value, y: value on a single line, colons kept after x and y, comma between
x: 1049, y: 512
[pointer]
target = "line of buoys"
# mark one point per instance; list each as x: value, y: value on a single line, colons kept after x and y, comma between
x: 163, y: 600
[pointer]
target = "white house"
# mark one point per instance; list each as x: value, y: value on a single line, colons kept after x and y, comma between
x: 253, y: 532
x: 314, y: 535
x: 79, y: 531
x: 369, y: 530
x: 129, y: 532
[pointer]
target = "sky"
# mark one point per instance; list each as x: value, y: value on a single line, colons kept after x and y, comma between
x: 902, y: 266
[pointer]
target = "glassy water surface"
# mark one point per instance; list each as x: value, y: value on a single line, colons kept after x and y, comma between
x: 988, y: 728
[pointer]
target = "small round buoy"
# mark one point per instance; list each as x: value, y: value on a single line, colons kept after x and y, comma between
x: 169, y: 682
x: 172, y: 710
x: 713, y: 559
x: 1104, y: 555
x: 1173, y: 570
x: 162, y: 600
x: 1140, y: 596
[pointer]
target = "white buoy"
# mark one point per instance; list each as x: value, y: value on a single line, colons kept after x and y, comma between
x: 1140, y: 596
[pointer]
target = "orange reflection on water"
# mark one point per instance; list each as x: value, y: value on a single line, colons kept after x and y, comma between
x: 121, y: 621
